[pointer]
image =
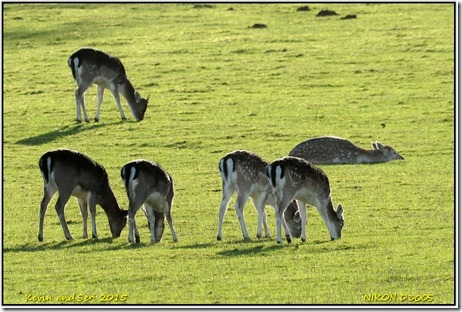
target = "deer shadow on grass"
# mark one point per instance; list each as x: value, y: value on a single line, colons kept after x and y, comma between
x: 54, y: 245
x: 320, y: 246
x: 65, y: 131
x: 252, y: 251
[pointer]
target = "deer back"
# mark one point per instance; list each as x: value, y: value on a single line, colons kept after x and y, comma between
x: 245, y: 169
x: 71, y: 169
x: 143, y: 177
x: 300, y: 177
x: 76, y: 173
x: 334, y: 150
x: 95, y: 65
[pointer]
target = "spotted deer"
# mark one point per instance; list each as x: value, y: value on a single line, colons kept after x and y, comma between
x: 244, y: 173
x: 71, y: 173
x: 333, y: 150
x: 91, y: 66
x: 295, y: 178
x: 148, y: 184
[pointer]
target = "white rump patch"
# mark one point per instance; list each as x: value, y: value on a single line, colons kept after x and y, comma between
x: 132, y: 182
x: 77, y: 70
x: 280, y: 182
x: 278, y: 174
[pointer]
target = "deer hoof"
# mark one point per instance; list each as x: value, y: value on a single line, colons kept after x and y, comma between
x: 137, y: 239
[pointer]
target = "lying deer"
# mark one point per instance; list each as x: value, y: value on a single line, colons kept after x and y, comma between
x: 295, y: 178
x: 148, y: 183
x: 71, y: 173
x: 90, y: 66
x: 333, y: 150
x: 244, y: 173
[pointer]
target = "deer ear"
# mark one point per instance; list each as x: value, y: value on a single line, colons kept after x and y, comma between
x: 374, y: 145
x: 340, y: 211
x: 137, y: 96
x: 380, y: 146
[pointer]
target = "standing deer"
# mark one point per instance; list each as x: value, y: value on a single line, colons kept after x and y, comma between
x: 295, y: 178
x: 90, y: 66
x: 148, y: 183
x: 71, y: 173
x: 244, y: 173
x: 333, y: 150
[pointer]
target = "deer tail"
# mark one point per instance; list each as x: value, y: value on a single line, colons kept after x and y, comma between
x: 45, y: 164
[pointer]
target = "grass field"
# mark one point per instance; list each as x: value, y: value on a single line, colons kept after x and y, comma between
x: 217, y: 85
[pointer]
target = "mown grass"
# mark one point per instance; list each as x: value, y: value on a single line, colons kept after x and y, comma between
x: 216, y: 85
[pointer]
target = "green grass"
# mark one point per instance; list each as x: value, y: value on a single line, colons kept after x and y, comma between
x: 217, y: 85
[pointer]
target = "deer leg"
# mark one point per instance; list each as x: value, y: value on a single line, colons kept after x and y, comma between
x: 84, y: 212
x: 100, y: 91
x: 168, y: 216
x: 151, y: 221
x: 239, y: 207
x: 259, y: 204
x: 91, y: 200
x: 227, y: 193
x: 132, y: 229
x: 48, y: 192
x: 159, y: 226
x: 281, y: 206
x: 80, y: 101
x: 60, y: 205
x: 302, y: 209
x: 115, y: 93
x: 265, y: 224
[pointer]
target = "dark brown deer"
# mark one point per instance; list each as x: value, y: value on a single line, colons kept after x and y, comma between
x: 295, y: 178
x: 91, y: 66
x: 333, y: 150
x: 243, y: 172
x: 150, y: 185
x: 71, y: 173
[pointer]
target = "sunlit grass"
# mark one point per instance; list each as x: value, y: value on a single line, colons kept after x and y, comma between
x: 216, y: 85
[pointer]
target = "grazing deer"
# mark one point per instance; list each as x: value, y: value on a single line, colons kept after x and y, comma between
x: 244, y: 172
x: 90, y: 66
x: 333, y: 150
x: 71, y: 173
x: 295, y: 178
x: 148, y: 183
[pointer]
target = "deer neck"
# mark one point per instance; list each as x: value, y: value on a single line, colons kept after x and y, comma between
x: 128, y: 91
x: 109, y: 203
x: 329, y: 215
